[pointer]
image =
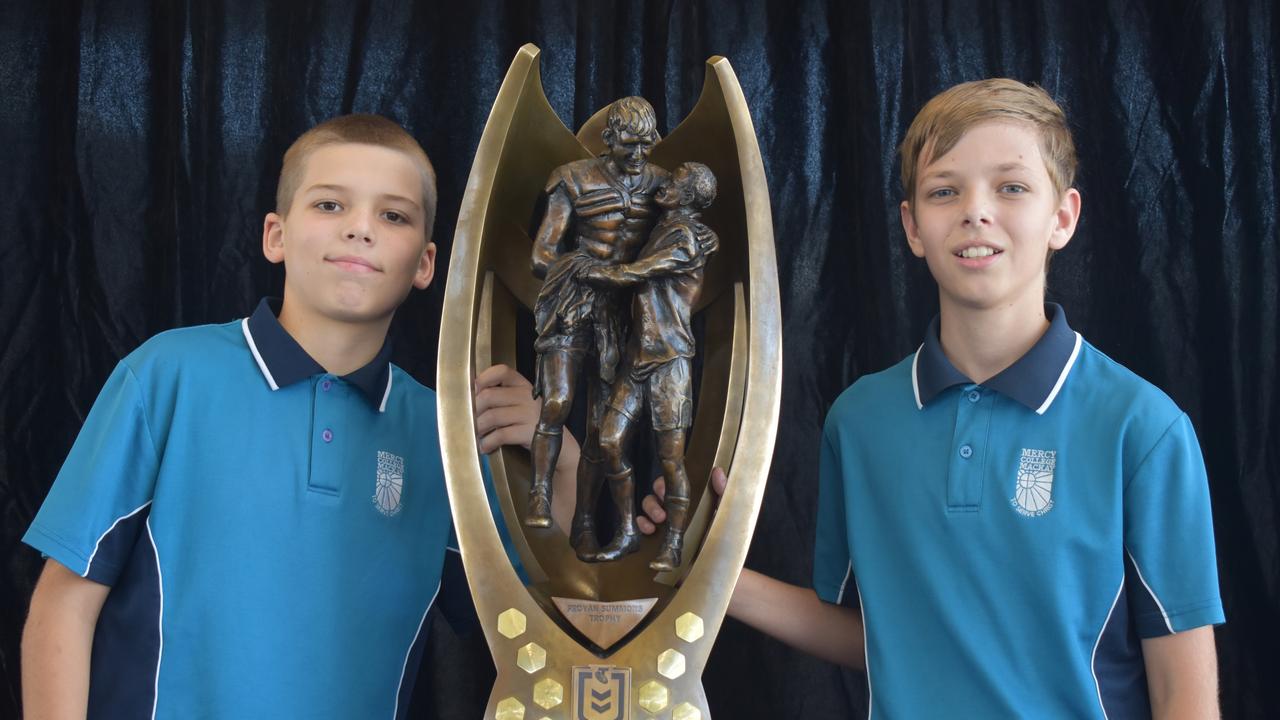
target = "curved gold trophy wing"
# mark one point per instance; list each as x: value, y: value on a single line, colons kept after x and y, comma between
x: 489, y: 279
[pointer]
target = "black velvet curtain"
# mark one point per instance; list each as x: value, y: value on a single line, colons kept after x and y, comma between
x: 140, y: 142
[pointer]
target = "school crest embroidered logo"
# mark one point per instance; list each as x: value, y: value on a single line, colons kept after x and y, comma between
x: 389, y: 484
x: 1033, y: 491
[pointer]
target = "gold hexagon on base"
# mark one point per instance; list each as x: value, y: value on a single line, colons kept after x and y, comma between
x: 510, y: 709
x: 653, y: 696
x: 689, y: 627
x: 686, y: 711
x: 671, y: 664
x: 531, y: 658
x: 512, y: 623
x: 548, y: 693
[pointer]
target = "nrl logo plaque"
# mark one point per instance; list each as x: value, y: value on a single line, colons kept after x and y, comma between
x: 623, y: 246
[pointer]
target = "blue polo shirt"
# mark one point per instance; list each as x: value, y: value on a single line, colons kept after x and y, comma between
x: 1010, y: 543
x: 273, y: 535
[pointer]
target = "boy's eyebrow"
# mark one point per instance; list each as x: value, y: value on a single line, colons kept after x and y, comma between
x: 948, y: 174
x: 1006, y: 167
x: 384, y: 196
x: 399, y: 198
x: 323, y: 186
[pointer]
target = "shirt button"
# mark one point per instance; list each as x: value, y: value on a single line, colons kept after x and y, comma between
x: 328, y: 436
x: 965, y: 451
x: 974, y: 396
x: 326, y: 385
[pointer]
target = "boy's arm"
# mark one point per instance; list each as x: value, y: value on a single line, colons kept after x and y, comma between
x: 1182, y: 675
x: 792, y: 614
x: 57, y: 642
x: 796, y: 616
x: 506, y: 414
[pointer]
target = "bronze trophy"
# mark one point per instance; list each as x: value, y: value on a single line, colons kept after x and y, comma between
x: 624, y: 257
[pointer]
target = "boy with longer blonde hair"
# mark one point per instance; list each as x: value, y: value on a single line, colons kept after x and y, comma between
x: 252, y: 522
x: 1022, y: 524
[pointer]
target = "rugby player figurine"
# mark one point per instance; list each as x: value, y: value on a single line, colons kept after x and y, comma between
x: 608, y: 204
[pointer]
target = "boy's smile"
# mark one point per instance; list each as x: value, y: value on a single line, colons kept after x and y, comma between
x: 353, y: 240
x: 985, y: 215
x: 353, y: 263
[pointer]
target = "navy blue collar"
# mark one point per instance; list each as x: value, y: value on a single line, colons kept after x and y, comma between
x: 283, y: 361
x: 1034, y: 380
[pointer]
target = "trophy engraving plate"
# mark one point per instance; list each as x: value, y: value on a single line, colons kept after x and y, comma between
x: 604, y: 623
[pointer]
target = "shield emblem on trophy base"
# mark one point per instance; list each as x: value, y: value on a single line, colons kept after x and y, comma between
x: 615, y: 640
x: 601, y: 692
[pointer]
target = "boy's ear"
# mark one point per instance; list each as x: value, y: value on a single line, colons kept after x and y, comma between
x: 1065, y: 219
x: 426, y: 267
x: 273, y: 238
x: 909, y: 227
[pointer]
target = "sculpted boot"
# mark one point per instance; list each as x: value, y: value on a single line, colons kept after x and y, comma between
x: 627, y: 540
x: 545, y: 449
x: 582, y: 534
x: 672, y: 545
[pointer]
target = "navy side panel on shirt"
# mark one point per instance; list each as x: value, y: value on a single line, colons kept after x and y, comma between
x: 126, y: 642
x: 1118, y: 665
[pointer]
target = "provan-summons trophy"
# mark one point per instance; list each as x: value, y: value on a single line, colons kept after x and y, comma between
x: 639, y: 236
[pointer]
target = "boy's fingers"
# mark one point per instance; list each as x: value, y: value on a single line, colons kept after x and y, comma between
x: 653, y: 510
x: 499, y: 396
x: 660, y: 488
x: 506, y: 435
x: 492, y: 397
x: 500, y: 376
x: 499, y: 417
x: 718, y: 480
x: 644, y: 526
x: 489, y: 377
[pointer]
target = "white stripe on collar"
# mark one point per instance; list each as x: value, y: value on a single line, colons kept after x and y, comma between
x: 262, y: 364
x: 915, y: 382
x: 387, y: 393
x: 1066, y: 369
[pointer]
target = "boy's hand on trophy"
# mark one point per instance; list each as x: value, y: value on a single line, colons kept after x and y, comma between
x: 506, y: 411
x: 653, y: 512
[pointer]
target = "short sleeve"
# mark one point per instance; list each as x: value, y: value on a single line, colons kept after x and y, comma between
x: 1168, y: 537
x: 832, y: 566
x: 99, y: 502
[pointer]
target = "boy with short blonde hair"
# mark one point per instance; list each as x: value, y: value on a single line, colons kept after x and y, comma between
x: 253, y: 519
x: 1022, y: 524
